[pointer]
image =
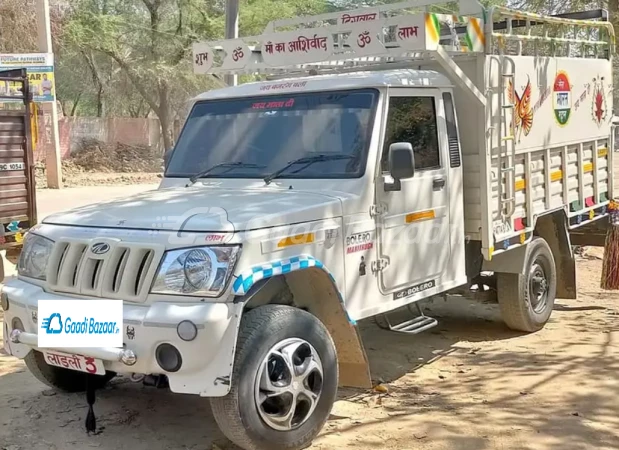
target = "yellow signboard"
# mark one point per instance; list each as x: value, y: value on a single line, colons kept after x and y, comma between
x: 40, y: 67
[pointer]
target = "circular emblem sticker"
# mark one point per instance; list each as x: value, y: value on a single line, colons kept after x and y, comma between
x: 562, y: 98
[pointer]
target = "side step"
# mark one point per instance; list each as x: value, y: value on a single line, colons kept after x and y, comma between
x: 413, y: 326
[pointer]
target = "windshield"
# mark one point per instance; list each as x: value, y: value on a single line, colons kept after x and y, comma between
x: 266, y: 133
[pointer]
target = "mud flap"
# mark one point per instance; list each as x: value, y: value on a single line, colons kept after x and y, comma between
x: 314, y: 291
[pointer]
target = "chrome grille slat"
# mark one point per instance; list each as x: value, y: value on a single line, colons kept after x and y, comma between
x: 124, y: 272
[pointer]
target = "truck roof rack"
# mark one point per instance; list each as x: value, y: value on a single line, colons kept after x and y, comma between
x: 369, y: 38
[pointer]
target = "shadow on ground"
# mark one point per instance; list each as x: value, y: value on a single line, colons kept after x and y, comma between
x: 137, y: 417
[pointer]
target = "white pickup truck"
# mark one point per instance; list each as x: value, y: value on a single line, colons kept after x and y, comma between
x: 388, y: 158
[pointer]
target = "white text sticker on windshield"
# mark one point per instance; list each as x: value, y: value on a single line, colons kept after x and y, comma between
x: 12, y: 166
x: 80, y: 323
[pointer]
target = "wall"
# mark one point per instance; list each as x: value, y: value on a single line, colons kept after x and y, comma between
x: 73, y: 130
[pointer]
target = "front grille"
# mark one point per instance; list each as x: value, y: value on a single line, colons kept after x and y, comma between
x: 124, y: 272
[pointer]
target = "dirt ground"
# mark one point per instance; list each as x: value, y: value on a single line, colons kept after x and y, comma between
x: 469, y: 384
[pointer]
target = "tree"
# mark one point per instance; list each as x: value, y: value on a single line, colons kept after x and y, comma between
x: 150, y: 41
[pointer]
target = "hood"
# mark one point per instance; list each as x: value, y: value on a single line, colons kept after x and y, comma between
x: 204, y: 209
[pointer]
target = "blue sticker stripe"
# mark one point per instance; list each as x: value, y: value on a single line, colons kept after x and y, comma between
x: 243, y: 283
x: 247, y: 284
x: 237, y: 284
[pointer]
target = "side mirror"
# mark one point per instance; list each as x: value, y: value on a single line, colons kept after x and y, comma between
x: 166, y: 158
x: 401, y: 164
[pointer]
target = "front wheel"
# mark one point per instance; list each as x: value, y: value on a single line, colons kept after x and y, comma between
x: 527, y: 300
x: 284, y: 381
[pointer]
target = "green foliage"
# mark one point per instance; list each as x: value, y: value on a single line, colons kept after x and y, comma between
x: 132, y: 57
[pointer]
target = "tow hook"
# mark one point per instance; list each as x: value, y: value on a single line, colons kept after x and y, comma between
x: 158, y: 381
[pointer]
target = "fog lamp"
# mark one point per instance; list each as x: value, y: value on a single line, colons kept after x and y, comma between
x: 187, y: 330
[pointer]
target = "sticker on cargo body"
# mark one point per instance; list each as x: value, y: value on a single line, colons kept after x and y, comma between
x: 501, y: 228
x: 562, y: 98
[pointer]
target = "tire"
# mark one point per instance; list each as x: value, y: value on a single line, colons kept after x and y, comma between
x: 521, y: 308
x: 63, y: 379
x: 263, y: 329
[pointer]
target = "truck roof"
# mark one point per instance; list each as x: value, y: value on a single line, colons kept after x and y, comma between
x: 340, y: 81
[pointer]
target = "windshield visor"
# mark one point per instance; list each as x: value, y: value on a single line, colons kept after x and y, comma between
x: 271, y: 131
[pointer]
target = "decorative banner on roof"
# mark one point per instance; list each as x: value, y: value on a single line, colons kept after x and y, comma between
x: 363, y: 39
x: 202, y: 58
x: 365, y: 15
x: 297, y: 47
x: 238, y: 54
x: 412, y: 33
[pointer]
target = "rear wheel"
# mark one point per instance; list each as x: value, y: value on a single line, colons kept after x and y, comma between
x: 284, y: 381
x: 527, y: 300
x: 63, y: 379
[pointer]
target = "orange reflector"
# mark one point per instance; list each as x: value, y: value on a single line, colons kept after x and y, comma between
x: 421, y: 215
x: 306, y: 238
x: 523, y: 238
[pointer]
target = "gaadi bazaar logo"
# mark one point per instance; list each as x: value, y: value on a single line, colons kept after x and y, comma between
x: 562, y: 98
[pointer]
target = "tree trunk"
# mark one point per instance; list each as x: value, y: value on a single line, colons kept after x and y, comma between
x: 98, y: 81
x: 165, y: 116
x: 100, y: 101
x: 75, y: 104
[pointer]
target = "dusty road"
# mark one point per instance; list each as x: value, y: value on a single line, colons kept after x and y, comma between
x: 469, y: 384
x: 50, y: 201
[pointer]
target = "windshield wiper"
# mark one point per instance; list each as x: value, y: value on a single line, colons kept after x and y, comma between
x: 307, y: 160
x: 205, y: 172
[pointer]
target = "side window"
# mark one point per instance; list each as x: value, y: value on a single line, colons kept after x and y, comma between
x: 413, y: 119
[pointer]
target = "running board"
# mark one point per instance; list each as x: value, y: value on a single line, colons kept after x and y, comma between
x: 413, y: 326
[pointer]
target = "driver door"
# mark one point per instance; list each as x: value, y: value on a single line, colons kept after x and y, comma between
x: 414, y: 231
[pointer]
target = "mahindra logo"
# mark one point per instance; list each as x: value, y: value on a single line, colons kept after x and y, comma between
x: 100, y: 248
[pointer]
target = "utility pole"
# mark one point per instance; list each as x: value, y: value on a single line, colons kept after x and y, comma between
x: 53, y: 165
x: 232, y: 32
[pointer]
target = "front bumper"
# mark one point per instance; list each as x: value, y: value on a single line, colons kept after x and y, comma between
x: 206, y: 361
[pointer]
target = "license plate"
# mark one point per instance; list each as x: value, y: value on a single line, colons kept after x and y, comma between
x: 75, y: 362
x: 11, y: 166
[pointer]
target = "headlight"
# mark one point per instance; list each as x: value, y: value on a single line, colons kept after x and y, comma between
x: 34, y: 256
x: 199, y: 271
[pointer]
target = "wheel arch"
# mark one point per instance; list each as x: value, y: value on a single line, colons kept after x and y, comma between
x: 553, y: 228
x: 311, y: 287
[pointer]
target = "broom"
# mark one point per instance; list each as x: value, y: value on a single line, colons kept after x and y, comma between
x: 610, y: 265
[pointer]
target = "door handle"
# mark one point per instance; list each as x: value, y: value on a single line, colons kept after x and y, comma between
x: 438, y: 183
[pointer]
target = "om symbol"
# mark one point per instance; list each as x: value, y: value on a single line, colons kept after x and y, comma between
x: 237, y: 54
x: 364, y: 39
